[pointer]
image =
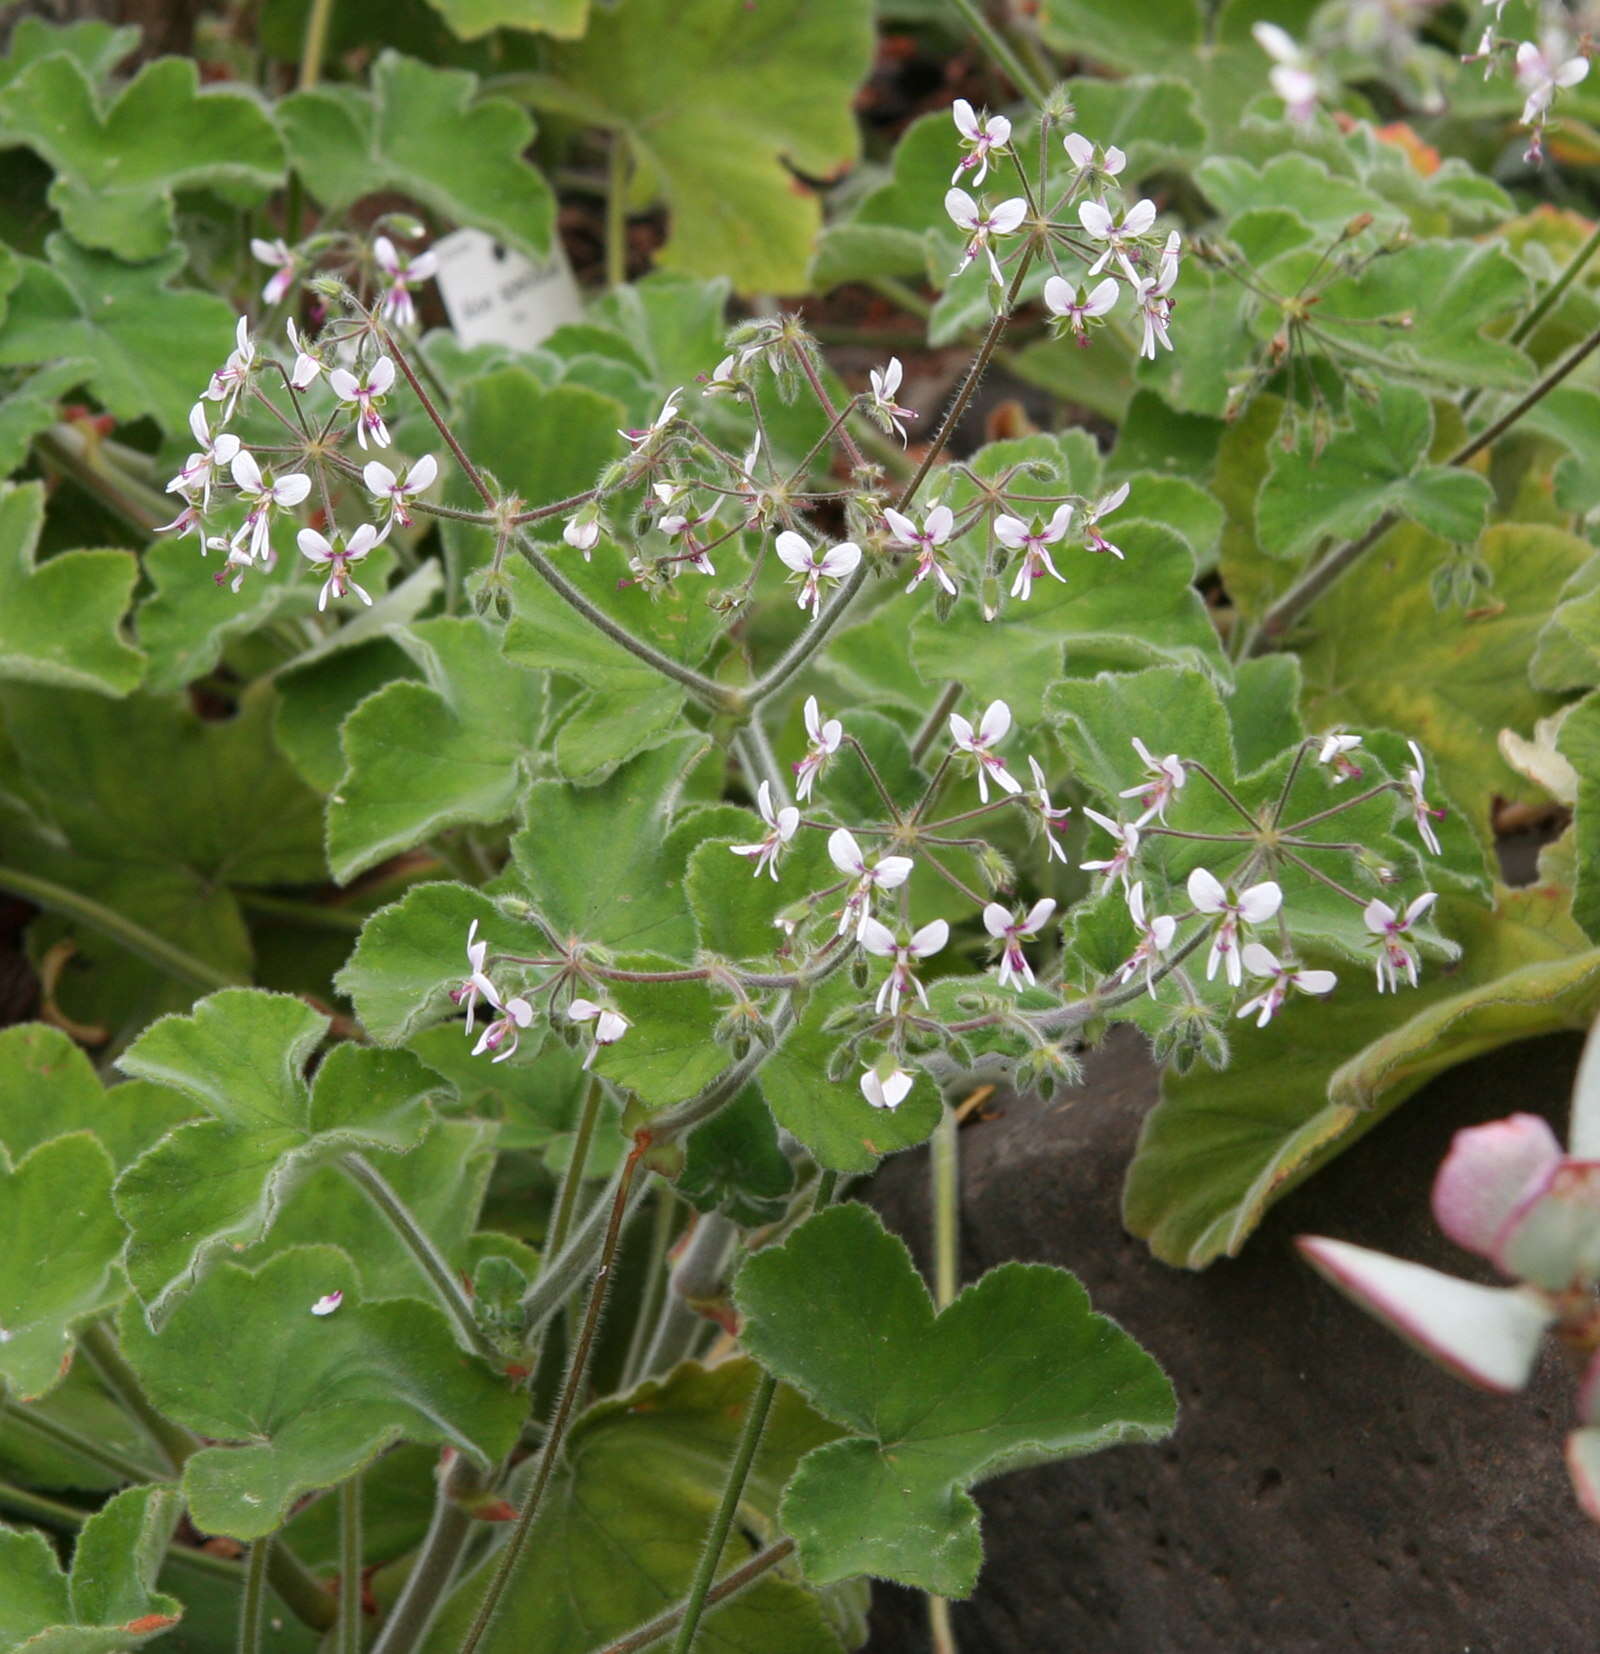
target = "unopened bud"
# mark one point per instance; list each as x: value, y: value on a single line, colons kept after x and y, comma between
x: 1361, y: 221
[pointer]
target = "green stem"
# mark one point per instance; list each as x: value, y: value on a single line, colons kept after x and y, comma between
x: 652, y: 1631
x: 732, y: 1492
x: 617, y: 169
x: 577, y: 1371
x: 314, y: 915
x: 573, y: 1180
x: 1000, y: 49
x: 70, y: 453
x: 316, y: 43
x: 51, y: 1512
x: 108, y: 922
x: 176, y: 1443
x: 252, y: 1608
x: 349, y: 1622
x: 428, y: 1258
x: 305, y: 1596
x: 937, y: 717
x: 655, y: 1283
x: 431, y: 1574
x: 439, y: 422
x: 945, y: 1166
x: 63, y: 1435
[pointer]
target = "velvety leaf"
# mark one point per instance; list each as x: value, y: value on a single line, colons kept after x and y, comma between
x: 640, y: 1478
x: 97, y: 47
x: 1362, y: 472
x: 772, y: 90
x: 667, y: 1054
x: 735, y: 1164
x: 214, y: 1184
x: 315, y: 699
x: 153, y: 348
x: 80, y: 1404
x: 60, y: 621
x: 310, y: 1399
x: 887, y: 234
x: 471, y: 18
x: 1017, y: 1371
x: 424, y: 756
x: 55, y: 1205
x: 33, y: 406
x: 1579, y: 743
x: 119, y: 167
x: 425, y: 132
x: 735, y: 910
x: 107, y: 1602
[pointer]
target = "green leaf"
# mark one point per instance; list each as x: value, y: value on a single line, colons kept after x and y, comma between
x: 441, y: 753
x: 772, y: 90
x: 56, y: 1205
x: 1017, y: 1371
x: 315, y: 699
x: 96, y: 47
x: 668, y: 1053
x: 1222, y: 1147
x: 735, y: 910
x: 888, y: 232
x: 32, y: 407
x: 311, y: 1399
x: 60, y: 621
x: 566, y: 19
x: 1373, y: 467
x: 118, y: 168
x: 153, y: 348
x: 216, y: 1184
x: 425, y: 132
x: 1383, y: 656
x: 734, y: 1164
x: 106, y: 1603
x: 1579, y: 743
x: 641, y: 1476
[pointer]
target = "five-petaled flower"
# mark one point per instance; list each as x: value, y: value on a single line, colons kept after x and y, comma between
x: 383, y: 484
x: 1053, y: 816
x: 199, y: 468
x: 1416, y: 774
x: 881, y: 405
x: 1126, y: 833
x: 364, y: 395
x: 982, y: 225
x: 1232, y: 910
x: 1260, y: 961
x: 825, y: 739
x: 1103, y: 507
x: 993, y: 727
x: 1155, y: 306
x: 1543, y: 70
x: 781, y: 825
x: 1033, y: 541
x: 982, y: 136
x: 337, y: 556
x: 1090, y: 161
x: 1011, y: 931
x: 263, y: 495
x: 1076, y: 308
x: 1395, y: 958
x: 1335, y: 745
x: 886, y: 1090
x: 1163, y: 778
x: 886, y: 873
x: 230, y: 379
x: 476, y: 980
x: 642, y: 438
x: 609, y: 1024
x: 816, y: 565
x: 281, y: 257
x: 1155, y: 937
x: 1293, y: 76
x: 401, y: 272
x: 879, y: 939
x: 1119, y: 232
x: 937, y: 527
x: 515, y: 1015
x: 308, y: 361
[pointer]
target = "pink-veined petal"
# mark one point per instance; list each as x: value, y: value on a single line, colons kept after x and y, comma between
x: 996, y: 724
x: 962, y: 209
x: 939, y: 523
x: 875, y: 937
x: 1487, y: 1173
x: 1259, y: 961
x: 930, y: 939
x: 1038, y: 914
x: 314, y: 545
x: 892, y: 871
x: 1008, y: 215
x: 1206, y: 892
x: 1140, y: 216
x: 844, y: 852
x: 1095, y: 219
x: 997, y: 919
x: 1010, y: 531
x: 794, y: 551
x: 1260, y: 902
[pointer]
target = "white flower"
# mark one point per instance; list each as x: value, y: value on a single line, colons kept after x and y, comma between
x: 278, y: 255
x: 1126, y: 833
x: 263, y: 495
x: 1155, y: 307
x: 329, y: 1301
x: 307, y: 361
x: 1034, y: 543
x: 515, y: 1015
x: 1053, y: 816
x: 982, y: 225
x: 781, y: 825
x: 728, y: 376
x: 609, y: 1024
x: 1163, y: 777
x: 476, y: 980
x: 992, y: 729
x: 1542, y: 71
x: 643, y: 438
x: 1248, y: 907
x: 825, y: 739
x: 1416, y: 775
x: 1155, y: 937
x: 582, y: 531
x: 199, y: 468
x: 1082, y: 154
x: 337, y: 559
x: 364, y: 396
x: 1078, y: 307
x: 937, y: 527
x: 982, y: 136
x: 887, y: 873
x: 1102, y: 507
x: 1011, y: 932
x: 383, y: 484
x: 188, y: 521
x: 888, y: 1092
x: 881, y: 405
x: 832, y: 563
x: 1332, y: 752
x: 1293, y: 75
x: 1395, y: 958
x: 879, y: 939
x: 234, y: 374
x: 1118, y: 231
x: 1260, y: 961
x: 401, y: 273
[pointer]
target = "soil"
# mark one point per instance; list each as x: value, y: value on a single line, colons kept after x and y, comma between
x: 1327, y: 1489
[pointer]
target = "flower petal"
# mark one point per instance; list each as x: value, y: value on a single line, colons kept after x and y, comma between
x: 1489, y: 1170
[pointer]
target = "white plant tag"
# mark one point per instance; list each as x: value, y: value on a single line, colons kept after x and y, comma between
x: 497, y: 296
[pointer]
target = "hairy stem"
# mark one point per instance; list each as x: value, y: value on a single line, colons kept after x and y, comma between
x: 431, y: 1574
x: 1001, y: 50
x: 348, y: 1635
x: 440, y: 423
x: 253, y: 1605
x: 100, y: 1345
x: 316, y: 43
x: 96, y: 1452
x: 944, y: 1166
x: 652, y: 1631
x: 572, y: 1181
